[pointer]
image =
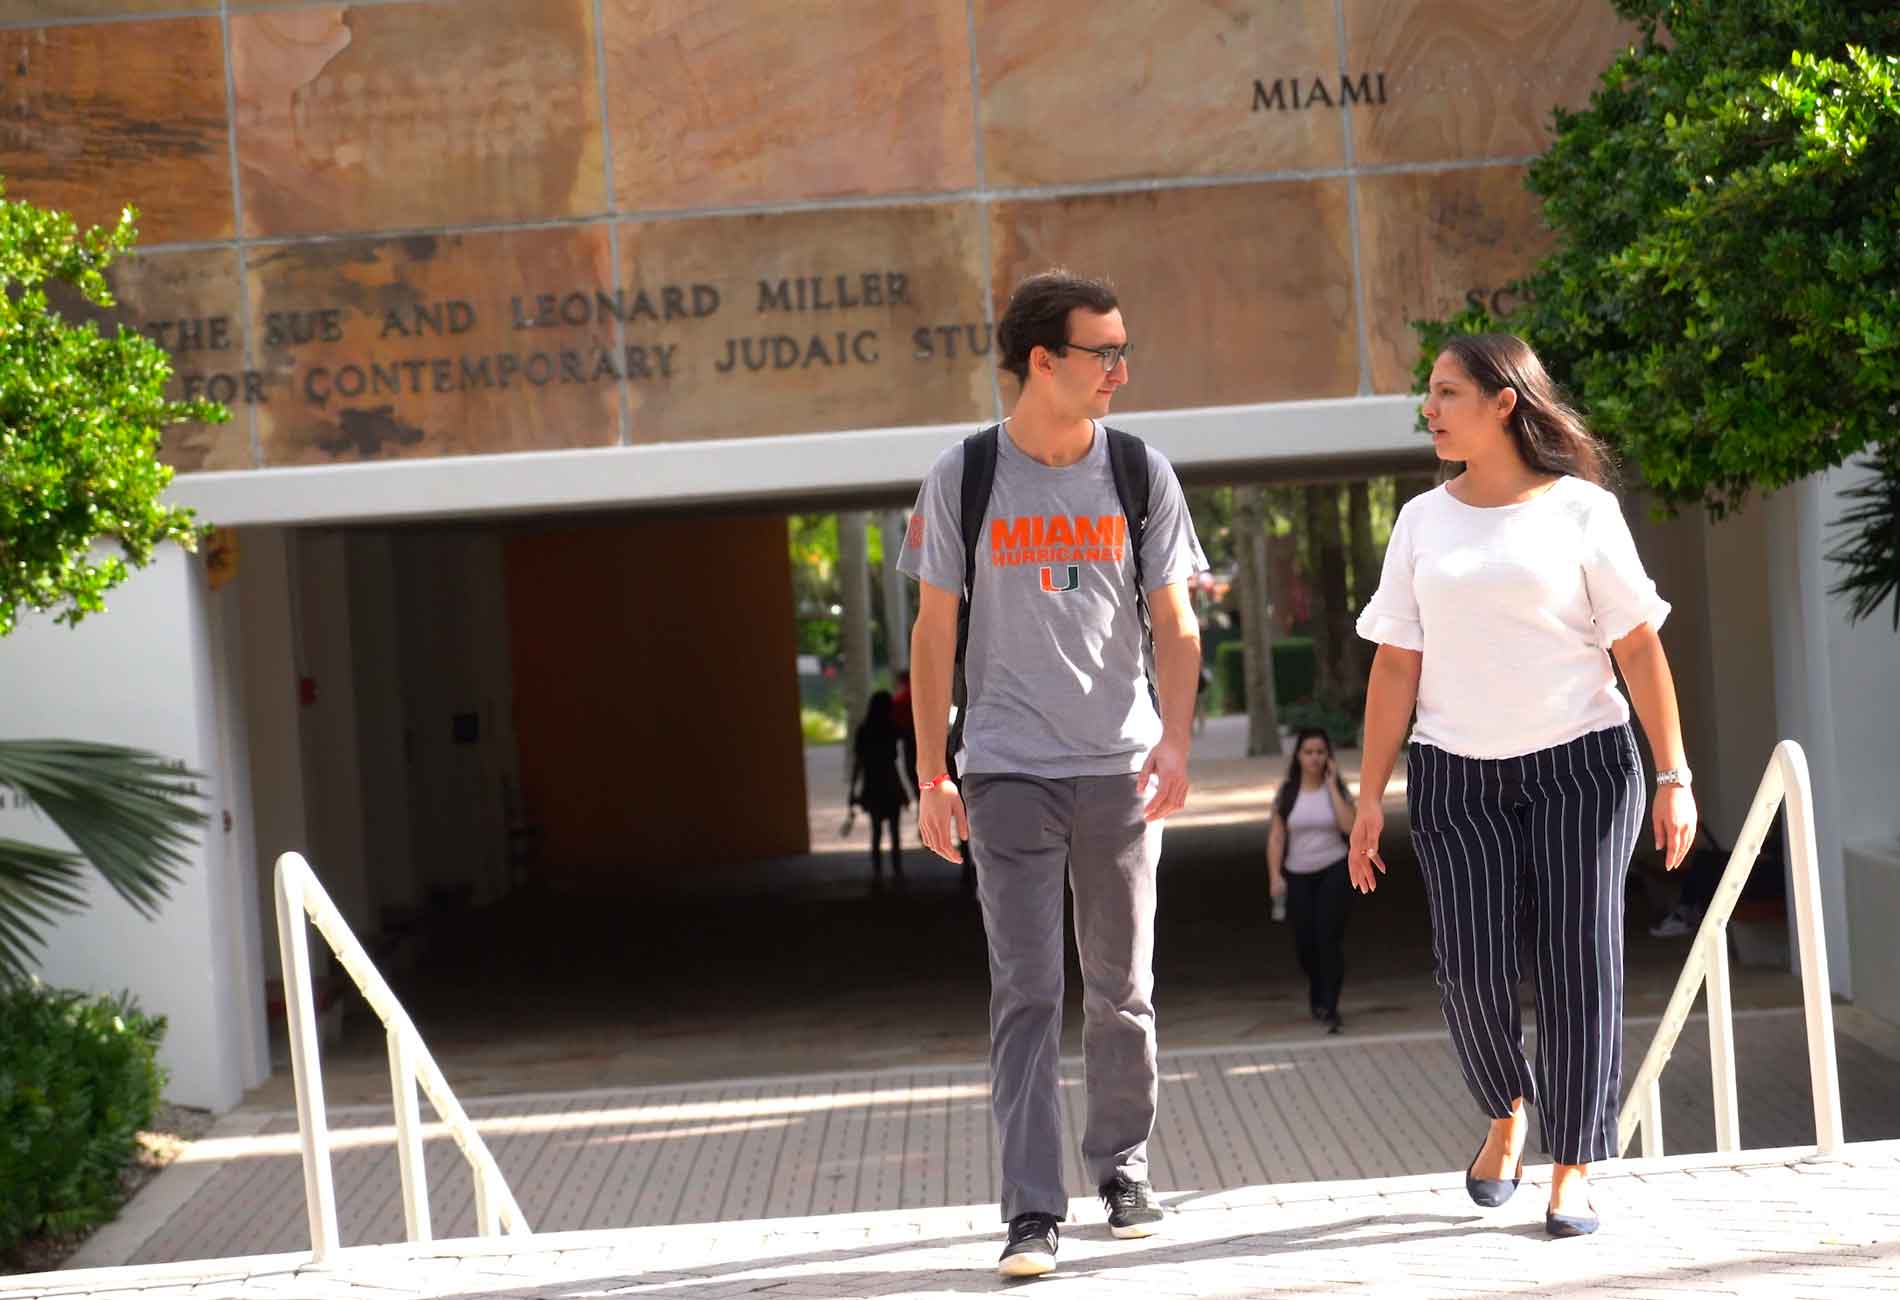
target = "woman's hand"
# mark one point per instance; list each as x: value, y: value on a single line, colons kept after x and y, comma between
x: 1276, y: 885
x: 1363, y: 855
x: 1674, y: 820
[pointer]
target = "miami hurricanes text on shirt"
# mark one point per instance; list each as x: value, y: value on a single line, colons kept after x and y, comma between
x: 1058, y: 539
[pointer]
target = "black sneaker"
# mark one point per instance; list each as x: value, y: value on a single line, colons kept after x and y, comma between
x: 1031, y: 1251
x: 1132, y: 1208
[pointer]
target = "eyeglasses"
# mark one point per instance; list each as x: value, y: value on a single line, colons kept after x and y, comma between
x: 1111, y: 356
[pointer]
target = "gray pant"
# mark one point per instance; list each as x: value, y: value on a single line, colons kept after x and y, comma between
x: 1026, y: 831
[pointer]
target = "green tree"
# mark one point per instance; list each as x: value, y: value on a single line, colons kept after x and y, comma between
x: 1724, y: 295
x: 81, y: 414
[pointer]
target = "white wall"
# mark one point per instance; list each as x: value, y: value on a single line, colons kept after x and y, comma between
x: 1835, y: 692
x: 399, y: 631
x: 332, y: 770
x: 1673, y: 553
x: 272, y: 664
x: 1861, y: 668
x: 455, y: 660
x: 235, y: 913
x: 155, y: 672
x: 1863, y: 671
x: 1741, y: 666
x: 376, y: 623
x: 1370, y: 431
x: 1873, y: 896
x: 1719, y: 637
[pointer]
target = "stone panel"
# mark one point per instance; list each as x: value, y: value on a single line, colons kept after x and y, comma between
x: 757, y: 101
x: 1157, y: 90
x: 810, y: 321
x: 50, y: 10
x: 189, y: 304
x: 1429, y: 242
x: 1475, y: 79
x: 379, y: 117
x: 94, y: 117
x: 1231, y: 293
x: 435, y: 346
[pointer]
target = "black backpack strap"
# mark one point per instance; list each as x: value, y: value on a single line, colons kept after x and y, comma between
x: 979, y: 476
x: 1128, y: 462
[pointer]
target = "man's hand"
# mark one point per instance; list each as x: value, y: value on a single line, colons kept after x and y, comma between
x: 1167, y: 762
x: 941, y: 822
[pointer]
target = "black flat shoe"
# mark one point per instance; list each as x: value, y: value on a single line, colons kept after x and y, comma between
x: 1493, y: 1192
x: 1571, y: 1225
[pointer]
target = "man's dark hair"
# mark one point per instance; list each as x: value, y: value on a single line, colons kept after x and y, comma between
x: 1038, y: 315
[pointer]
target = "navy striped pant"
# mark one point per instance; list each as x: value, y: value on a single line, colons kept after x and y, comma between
x: 1525, y: 859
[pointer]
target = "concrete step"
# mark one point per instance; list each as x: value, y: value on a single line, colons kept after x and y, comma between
x: 1773, y: 1222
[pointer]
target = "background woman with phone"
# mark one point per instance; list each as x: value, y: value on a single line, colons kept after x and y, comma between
x: 1306, y: 865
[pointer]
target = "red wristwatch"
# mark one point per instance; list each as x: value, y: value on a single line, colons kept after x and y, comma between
x: 925, y: 787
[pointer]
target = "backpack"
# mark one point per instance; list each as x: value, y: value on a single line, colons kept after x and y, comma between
x: 1128, y: 464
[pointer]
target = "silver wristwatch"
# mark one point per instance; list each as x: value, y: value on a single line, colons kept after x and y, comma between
x: 1674, y: 776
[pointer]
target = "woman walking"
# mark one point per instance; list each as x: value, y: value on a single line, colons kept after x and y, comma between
x: 1506, y: 592
x: 1306, y: 864
x: 874, y: 784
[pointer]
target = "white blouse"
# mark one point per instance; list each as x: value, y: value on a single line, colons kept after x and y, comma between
x: 1514, y: 609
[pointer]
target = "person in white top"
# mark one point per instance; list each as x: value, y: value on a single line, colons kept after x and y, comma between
x: 1506, y: 593
x: 1306, y: 865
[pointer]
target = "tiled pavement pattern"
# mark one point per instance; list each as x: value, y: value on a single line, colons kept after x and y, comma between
x: 1766, y: 1223
x: 904, y: 1140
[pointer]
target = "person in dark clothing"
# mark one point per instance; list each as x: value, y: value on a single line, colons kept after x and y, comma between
x: 875, y: 786
x: 906, y: 724
x: 1306, y: 864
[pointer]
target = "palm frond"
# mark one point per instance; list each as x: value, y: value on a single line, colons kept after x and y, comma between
x: 36, y: 885
x: 130, y: 814
x: 1869, y: 557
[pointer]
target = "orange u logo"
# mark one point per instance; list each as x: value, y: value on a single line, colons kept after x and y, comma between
x: 1072, y: 576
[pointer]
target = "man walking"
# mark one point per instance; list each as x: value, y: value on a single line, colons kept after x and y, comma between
x: 1058, y: 540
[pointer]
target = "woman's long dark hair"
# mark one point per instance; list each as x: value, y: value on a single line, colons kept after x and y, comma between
x: 1550, y: 435
x: 1289, y: 790
x: 879, y: 726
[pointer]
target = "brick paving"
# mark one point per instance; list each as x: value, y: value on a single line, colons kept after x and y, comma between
x: 1766, y: 1223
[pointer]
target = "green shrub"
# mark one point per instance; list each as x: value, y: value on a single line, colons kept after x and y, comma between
x: 1339, y: 718
x: 79, y: 1078
x: 1230, y: 668
x: 821, y: 727
x: 1295, y: 668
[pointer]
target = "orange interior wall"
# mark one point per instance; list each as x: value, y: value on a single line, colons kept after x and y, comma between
x: 656, y: 695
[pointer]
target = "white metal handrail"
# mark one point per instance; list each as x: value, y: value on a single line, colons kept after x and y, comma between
x: 299, y: 896
x: 1785, y: 781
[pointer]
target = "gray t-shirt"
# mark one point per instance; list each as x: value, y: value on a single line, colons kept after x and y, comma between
x: 1057, y: 665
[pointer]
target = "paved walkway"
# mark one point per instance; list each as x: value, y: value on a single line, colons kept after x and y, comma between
x: 905, y: 1140
x: 803, y: 966
x: 1769, y: 1224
